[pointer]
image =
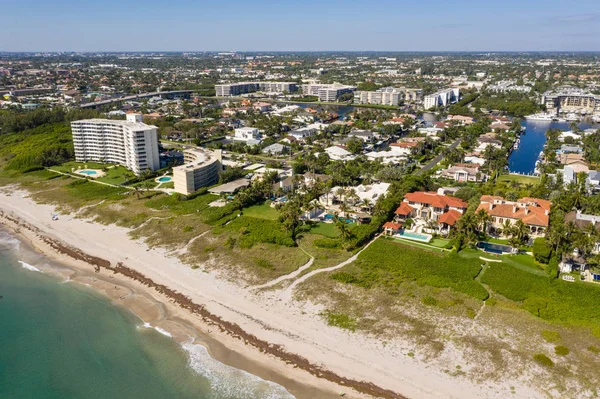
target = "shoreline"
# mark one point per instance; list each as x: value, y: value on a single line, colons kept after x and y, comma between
x: 267, y: 328
x: 184, y: 320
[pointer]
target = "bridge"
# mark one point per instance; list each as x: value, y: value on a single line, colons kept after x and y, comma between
x: 164, y: 94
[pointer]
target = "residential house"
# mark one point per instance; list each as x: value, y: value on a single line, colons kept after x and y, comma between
x: 430, y: 211
x: 338, y: 153
x: 584, y: 222
x: 463, y: 120
x: 365, y: 135
x: 249, y: 135
x: 463, y: 173
x: 532, y: 211
x: 275, y: 149
x: 592, y: 182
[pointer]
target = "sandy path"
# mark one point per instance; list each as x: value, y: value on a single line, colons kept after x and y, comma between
x: 286, y: 295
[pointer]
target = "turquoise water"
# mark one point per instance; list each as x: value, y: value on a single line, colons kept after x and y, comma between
x: 88, y: 172
x: 415, y: 236
x: 62, y: 340
x: 164, y: 179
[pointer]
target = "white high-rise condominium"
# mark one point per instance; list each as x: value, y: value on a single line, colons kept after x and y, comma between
x: 442, y: 98
x: 130, y: 143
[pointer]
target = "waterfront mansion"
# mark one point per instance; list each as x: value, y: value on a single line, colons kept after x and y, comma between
x: 532, y: 211
x: 430, y: 211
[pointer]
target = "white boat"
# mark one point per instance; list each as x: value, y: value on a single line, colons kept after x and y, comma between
x: 572, y: 118
x: 596, y: 118
x: 540, y: 117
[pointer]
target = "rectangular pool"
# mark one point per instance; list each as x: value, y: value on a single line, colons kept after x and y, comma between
x: 415, y: 236
x: 494, y: 248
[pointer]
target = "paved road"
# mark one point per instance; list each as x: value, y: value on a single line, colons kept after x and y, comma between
x: 437, y: 159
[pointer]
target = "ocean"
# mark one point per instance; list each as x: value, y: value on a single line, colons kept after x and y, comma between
x: 60, y: 339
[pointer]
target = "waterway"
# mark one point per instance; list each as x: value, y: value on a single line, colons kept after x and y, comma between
x: 523, y: 159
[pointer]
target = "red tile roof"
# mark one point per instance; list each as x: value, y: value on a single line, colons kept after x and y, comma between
x: 436, y: 200
x: 392, y: 225
x: 534, y: 213
x: 404, y: 209
x: 450, y: 217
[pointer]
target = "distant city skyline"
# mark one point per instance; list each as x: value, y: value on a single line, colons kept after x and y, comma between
x: 333, y: 25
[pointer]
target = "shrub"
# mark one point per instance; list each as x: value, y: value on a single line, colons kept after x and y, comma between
x: 429, y: 301
x: 326, y: 243
x: 561, y: 350
x: 341, y: 320
x: 594, y: 349
x: 344, y: 277
x: 543, y: 360
x: 259, y: 231
x: 265, y: 264
x: 187, y: 229
x: 541, y: 250
x: 549, y: 299
x: 551, y: 336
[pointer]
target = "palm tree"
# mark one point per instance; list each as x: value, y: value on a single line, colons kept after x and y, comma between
x: 483, y: 218
x: 521, y: 230
x: 366, y: 204
x: 507, y: 227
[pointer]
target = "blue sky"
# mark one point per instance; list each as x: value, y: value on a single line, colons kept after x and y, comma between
x: 295, y: 25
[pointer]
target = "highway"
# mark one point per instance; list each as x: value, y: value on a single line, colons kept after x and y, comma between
x: 134, y: 97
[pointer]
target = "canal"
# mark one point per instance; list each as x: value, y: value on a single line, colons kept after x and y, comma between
x: 522, y: 160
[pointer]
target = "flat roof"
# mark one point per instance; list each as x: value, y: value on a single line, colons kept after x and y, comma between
x: 231, y: 187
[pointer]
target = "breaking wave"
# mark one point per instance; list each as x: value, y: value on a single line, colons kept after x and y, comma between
x: 29, y: 267
x: 228, y: 381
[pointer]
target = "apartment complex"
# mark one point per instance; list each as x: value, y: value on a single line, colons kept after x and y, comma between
x: 327, y: 92
x: 391, y: 97
x: 130, y: 143
x: 201, y: 168
x: 571, y: 99
x: 442, y: 98
x: 235, y: 89
x: 388, y: 96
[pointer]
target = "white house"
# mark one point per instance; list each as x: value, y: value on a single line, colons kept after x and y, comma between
x: 338, y: 153
x: 249, y: 135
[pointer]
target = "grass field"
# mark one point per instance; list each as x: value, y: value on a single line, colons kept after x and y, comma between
x: 387, y: 263
x: 115, y: 174
x: 263, y: 211
x: 519, y: 179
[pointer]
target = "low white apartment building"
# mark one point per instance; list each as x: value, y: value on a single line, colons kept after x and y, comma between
x: 201, y: 168
x: 327, y: 92
x: 392, y: 97
x: 442, y: 98
x: 129, y: 142
x: 235, y: 89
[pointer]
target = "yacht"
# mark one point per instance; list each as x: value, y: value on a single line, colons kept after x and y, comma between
x: 540, y: 117
x: 572, y: 118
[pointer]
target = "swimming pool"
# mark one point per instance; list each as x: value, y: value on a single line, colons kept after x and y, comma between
x: 87, y: 172
x: 164, y: 179
x: 329, y: 216
x: 415, y: 236
x: 494, y: 248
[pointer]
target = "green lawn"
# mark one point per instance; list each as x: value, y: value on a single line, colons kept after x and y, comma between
x: 519, y: 179
x: 263, y: 211
x: 115, y: 174
x: 388, y: 263
x: 439, y: 242
x: 325, y: 229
